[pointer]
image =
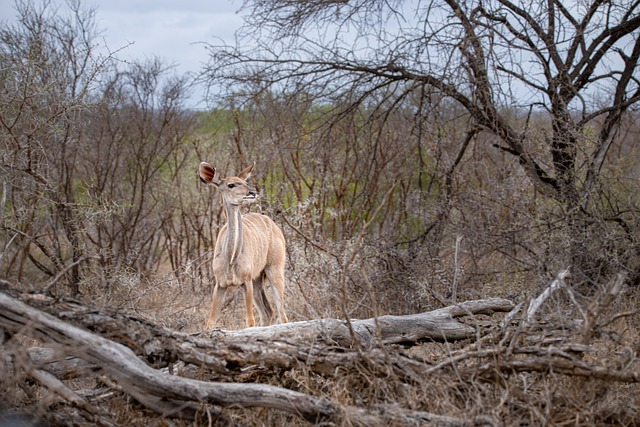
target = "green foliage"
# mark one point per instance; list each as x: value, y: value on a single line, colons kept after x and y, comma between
x: 216, y: 121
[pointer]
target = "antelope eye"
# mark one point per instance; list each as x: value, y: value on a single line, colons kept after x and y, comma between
x: 231, y: 185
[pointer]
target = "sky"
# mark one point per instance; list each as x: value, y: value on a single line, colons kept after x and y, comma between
x: 168, y: 29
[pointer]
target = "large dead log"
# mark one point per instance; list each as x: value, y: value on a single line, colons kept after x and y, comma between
x: 440, y: 325
x: 118, y: 345
x: 230, y: 353
x: 168, y: 393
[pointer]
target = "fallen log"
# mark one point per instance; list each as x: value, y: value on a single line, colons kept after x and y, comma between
x: 326, y: 342
x: 170, y: 394
x: 122, y: 348
x: 439, y: 325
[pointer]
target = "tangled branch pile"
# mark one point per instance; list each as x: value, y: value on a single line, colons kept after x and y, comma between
x: 466, y: 364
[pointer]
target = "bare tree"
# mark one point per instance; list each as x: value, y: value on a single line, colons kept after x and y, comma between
x: 89, y: 146
x: 503, y: 63
x: 51, y: 63
x: 135, y: 147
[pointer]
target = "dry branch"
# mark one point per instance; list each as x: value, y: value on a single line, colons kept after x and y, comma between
x: 56, y: 363
x: 171, y: 394
x: 124, y: 366
x: 558, y: 283
x: 122, y: 347
x: 228, y: 353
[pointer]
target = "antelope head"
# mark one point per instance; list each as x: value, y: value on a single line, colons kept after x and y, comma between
x: 234, y: 190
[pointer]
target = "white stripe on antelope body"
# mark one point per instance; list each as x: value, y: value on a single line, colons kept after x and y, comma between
x: 250, y: 250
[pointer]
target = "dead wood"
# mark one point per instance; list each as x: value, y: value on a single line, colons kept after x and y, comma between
x: 138, y: 358
x: 57, y: 363
x: 440, y: 325
x: 169, y: 393
x: 326, y: 342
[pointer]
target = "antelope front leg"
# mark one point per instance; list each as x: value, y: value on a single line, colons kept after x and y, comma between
x: 219, y: 295
x: 248, y: 301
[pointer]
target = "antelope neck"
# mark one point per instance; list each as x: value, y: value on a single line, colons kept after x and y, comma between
x: 234, y: 232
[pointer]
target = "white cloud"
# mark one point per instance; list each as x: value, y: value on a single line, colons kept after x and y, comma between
x: 168, y: 32
x: 168, y: 29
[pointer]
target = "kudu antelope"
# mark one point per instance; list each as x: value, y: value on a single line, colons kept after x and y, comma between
x: 250, y: 249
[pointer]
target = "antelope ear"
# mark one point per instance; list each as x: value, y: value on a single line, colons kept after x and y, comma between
x: 207, y: 173
x: 245, y: 174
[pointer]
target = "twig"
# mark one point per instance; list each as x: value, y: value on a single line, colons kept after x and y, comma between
x: 456, y: 270
x: 62, y: 272
x: 614, y: 287
x: 307, y: 238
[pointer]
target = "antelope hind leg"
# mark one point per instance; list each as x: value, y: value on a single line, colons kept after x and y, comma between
x: 277, y: 283
x: 261, y: 301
